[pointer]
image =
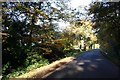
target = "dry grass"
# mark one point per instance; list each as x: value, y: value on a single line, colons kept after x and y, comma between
x: 40, y: 72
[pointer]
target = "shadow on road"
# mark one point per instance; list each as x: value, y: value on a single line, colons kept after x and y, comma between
x: 88, y: 65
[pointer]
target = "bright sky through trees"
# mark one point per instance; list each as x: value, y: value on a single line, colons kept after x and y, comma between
x: 82, y: 3
x: 75, y: 4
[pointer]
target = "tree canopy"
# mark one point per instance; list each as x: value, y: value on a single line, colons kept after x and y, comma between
x: 106, y: 18
x: 29, y: 32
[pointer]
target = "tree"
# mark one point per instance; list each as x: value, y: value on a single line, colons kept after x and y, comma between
x: 80, y: 33
x: 106, y: 16
x: 28, y: 30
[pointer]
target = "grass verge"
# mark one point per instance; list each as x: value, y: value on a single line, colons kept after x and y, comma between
x: 40, y: 72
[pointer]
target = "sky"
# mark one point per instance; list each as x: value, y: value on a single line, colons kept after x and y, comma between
x: 82, y: 3
x: 74, y: 4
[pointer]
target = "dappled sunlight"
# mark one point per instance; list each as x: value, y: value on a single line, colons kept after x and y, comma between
x: 80, y: 68
x: 87, y: 61
x: 99, y: 59
x: 80, y: 63
x: 87, y: 67
x: 40, y: 37
x: 93, y: 65
x: 40, y: 72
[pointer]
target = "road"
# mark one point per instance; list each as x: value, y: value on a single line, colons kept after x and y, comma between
x: 91, y: 64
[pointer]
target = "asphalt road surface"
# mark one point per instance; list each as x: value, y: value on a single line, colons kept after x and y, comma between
x: 91, y: 64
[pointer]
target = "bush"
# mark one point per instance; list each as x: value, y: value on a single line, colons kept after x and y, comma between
x: 34, y: 60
